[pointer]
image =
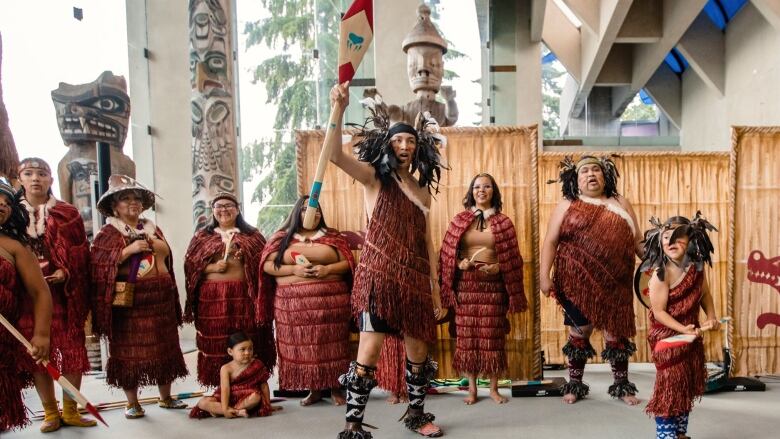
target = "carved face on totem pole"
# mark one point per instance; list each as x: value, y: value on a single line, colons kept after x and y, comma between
x: 98, y: 111
x: 95, y: 112
x: 425, y: 49
x: 213, y: 121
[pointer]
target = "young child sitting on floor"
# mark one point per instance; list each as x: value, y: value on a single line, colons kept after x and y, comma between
x: 243, y: 389
x: 676, y: 252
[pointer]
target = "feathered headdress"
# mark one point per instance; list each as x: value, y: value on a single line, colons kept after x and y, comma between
x: 699, y: 248
x: 16, y: 224
x: 376, y: 149
x: 568, y: 175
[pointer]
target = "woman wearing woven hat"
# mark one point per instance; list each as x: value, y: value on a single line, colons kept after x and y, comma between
x: 136, y: 300
x: 307, y: 278
x: 592, y: 238
x: 18, y: 263
x: 481, y: 274
x: 56, y: 234
x: 221, y: 272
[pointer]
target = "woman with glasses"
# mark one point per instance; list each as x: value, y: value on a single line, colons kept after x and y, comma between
x: 221, y: 273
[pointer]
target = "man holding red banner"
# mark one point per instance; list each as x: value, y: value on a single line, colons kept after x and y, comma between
x: 395, y: 289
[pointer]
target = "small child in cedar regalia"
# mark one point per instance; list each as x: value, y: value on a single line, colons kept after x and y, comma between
x: 675, y: 253
x: 243, y: 389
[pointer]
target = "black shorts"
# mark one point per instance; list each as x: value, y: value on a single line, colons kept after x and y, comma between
x: 370, y: 322
x: 573, y: 315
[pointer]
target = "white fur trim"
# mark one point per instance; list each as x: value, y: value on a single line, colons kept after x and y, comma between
x: 487, y: 213
x: 37, y: 225
x: 226, y: 235
x: 617, y: 210
x: 300, y: 238
x: 413, y: 198
x: 149, y: 228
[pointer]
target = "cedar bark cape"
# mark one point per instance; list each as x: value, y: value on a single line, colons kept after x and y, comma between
x: 392, y: 279
x: 594, y: 266
x: 12, y: 377
x: 68, y: 249
x: 249, y: 381
x: 201, y: 251
x: 106, y: 251
x: 267, y: 287
x: 509, y: 259
x: 680, y: 372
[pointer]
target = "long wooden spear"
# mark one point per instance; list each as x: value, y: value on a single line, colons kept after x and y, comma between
x: 66, y: 385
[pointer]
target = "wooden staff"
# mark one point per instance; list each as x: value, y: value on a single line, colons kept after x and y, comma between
x: 355, y: 34
x: 69, y: 388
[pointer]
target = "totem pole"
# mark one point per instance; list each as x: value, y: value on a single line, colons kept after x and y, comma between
x: 425, y: 49
x: 98, y: 111
x: 214, y: 156
x: 9, y: 160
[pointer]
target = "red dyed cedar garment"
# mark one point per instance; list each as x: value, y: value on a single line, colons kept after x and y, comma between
x: 143, y: 339
x: 594, y: 266
x: 65, y: 246
x: 481, y: 301
x: 312, y: 321
x: 219, y: 308
x: 392, y: 280
x: 391, y: 368
x: 680, y: 372
x: 12, y: 354
x: 246, y: 383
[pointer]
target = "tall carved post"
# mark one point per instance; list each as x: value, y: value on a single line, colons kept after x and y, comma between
x: 214, y: 154
x: 98, y: 111
x: 9, y: 160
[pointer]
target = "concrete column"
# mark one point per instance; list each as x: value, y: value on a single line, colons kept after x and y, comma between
x: 161, y: 122
x: 529, y: 72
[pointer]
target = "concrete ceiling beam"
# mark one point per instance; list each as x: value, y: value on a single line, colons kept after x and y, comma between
x: 676, y: 18
x: 596, y: 48
x: 704, y: 46
x: 587, y: 11
x: 770, y: 9
x: 537, y: 19
x: 665, y: 88
x: 563, y: 39
x: 617, y: 68
x: 642, y: 24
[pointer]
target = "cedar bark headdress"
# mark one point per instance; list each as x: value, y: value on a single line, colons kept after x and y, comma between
x: 568, y: 175
x: 376, y: 149
x: 699, y: 248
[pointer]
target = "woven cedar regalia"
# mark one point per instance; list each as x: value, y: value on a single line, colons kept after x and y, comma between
x: 312, y: 320
x: 12, y: 380
x: 481, y: 301
x: 143, y: 339
x: 680, y: 371
x: 594, y: 261
x: 63, y: 244
x: 249, y: 381
x: 392, y: 280
x: 219, y: 308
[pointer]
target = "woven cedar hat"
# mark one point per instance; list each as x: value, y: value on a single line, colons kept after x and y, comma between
x: 122, y: 183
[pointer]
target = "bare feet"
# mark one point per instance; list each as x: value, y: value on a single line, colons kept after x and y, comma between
x: 242, y: 413
x: 498, y: 398
x: 630, y: 399
x: 472, y: 398
x: 569, y: 398
x: 337, y: 396
x: 314, y: 397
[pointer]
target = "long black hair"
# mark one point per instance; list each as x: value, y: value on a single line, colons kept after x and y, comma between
x: 15, y: 226
x: 292, y: 224
x: 495, y: 201
x: 699, y: 249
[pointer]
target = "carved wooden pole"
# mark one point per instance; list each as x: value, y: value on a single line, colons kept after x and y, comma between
x: 214, y: 140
